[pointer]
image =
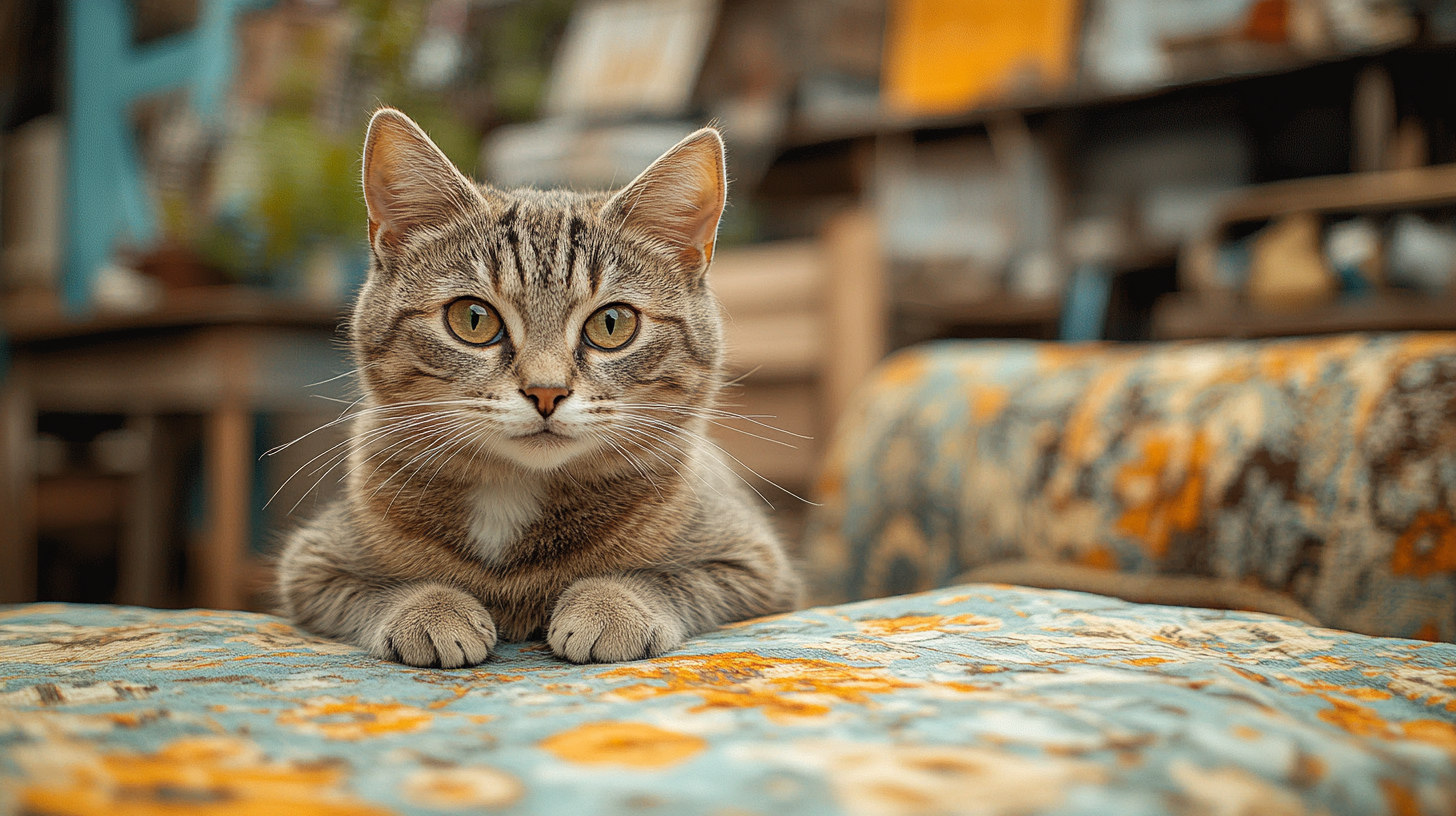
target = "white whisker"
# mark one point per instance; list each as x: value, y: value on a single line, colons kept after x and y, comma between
x: 340, y: 376
x: 714, y: 422
x: 412, y: 425
x: 640, y: 434
x: 348, y: 445
x: 444, y: 452
x: 398, y: 406
x: 443, y: 428
x: 713, y: 413
x: 691, y: 435
x: 633, y: 461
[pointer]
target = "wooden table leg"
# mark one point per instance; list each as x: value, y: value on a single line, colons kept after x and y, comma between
x: 141, y: 562
x: 228, y: 455
x: 17, y: 489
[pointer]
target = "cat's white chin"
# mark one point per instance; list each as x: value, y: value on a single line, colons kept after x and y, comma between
x: 544, y: 450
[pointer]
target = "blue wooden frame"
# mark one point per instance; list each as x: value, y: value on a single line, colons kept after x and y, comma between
x: 107, y: 74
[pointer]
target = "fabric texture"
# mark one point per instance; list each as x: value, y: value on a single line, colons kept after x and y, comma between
x: 1323, y: 469
x: 975, y: 699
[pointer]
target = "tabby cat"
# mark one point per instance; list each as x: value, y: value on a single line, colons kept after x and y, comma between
x: 529, y: 458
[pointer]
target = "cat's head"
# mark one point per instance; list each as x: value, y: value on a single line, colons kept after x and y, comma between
x: 539, y: 326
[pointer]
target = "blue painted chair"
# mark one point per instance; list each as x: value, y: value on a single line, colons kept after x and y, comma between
x: 108, y: 74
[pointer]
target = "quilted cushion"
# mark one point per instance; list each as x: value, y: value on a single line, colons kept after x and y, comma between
x: 1323, y: 469
x: 974, y: 699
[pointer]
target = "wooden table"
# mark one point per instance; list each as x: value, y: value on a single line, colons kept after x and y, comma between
x: 224, y: 353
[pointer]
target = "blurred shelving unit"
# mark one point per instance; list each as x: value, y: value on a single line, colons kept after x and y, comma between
x: 1196, y: 314
x: 1288, y: 126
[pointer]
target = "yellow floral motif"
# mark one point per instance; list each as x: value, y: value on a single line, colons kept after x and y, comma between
x: 349, y: 719
x: 1363, y: 721
x: 1357, y: 692
x: 907, y: 624
x: 216, y: 776
x: 1399, y: 799
x: 635, y: 745
x: 784, y: 687
x: 1427, y: 547
x: 1436, y: 732
x: 1081, y: 438
x: 468, y: 787
x: 987, y: 402
x: 1156, y: 511
x: 904, y: 368
x: 1427, y: 685
x: 1302, y: 361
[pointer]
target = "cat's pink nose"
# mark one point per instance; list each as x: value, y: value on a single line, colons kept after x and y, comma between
x: 546, y: 399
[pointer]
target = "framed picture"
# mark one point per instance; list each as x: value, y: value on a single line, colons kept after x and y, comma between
x: 631, y: 57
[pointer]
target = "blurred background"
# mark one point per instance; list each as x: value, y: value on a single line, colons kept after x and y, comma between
x: 182, y: 227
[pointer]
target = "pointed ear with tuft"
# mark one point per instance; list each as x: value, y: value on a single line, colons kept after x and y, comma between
x: 679, y: 199
x: 408, y: 182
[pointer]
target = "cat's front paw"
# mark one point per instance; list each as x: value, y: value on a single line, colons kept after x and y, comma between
x: 606, y: 620
x: 435, y: 626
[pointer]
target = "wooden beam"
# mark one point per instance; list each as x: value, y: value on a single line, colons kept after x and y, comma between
x: 17, y: 488
x: 1351, y: 192
x: 854, y: 281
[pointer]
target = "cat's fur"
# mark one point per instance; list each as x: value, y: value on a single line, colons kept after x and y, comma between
x: 454, y: 529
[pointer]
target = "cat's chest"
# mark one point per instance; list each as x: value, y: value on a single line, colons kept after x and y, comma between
x: 499, y: 513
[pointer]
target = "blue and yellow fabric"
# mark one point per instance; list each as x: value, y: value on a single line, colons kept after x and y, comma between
x: 974, y: 699
x: 1323, y: 470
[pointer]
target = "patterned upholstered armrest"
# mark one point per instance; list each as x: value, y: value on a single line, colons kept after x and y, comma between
x: 1323, y: 470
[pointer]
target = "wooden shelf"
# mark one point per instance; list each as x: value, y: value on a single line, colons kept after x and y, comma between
x: 24, y: 320
x: 78, y: 500
x: 1082, y: 95
x: 1351, y: 192
x: 995, y: 311
x: 1185, y: 315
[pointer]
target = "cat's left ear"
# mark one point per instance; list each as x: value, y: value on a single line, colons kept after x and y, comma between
x: 679, y: 199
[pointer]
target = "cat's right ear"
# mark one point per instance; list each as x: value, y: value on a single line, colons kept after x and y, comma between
x: 408, y: 181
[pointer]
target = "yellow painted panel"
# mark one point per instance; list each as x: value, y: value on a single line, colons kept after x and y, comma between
x: 944, y: 56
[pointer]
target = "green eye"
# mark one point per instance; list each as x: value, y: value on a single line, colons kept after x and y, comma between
x: 473, y: 321
x: 611, y: 327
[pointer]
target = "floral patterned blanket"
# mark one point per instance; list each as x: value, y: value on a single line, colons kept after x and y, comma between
x: 977, y: 699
